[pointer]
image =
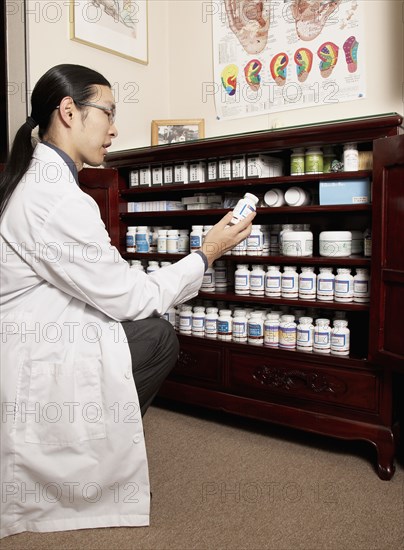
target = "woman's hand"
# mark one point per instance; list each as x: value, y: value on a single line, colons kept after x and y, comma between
x: 223, y: 237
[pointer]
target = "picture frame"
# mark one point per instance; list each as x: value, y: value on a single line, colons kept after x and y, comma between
x: 165, y: 132
x: 119, y: 27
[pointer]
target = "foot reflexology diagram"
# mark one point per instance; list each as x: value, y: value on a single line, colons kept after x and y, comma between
x: 274, y: 55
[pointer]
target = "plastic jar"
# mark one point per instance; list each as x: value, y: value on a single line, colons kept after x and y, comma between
x: 313, y: 162
x: 325, y: 284
x: 152, y: 266
x: 242, y: 280
x: 220, y: 268
x: 131, y: 239
x: 185, y: 324
x: 322, y: 336
x: 211, y: 322
x: 195, y: 239
x: 254, y: 241
x: 198, y: 321
x: 172, y: 241
x: 274, y: 198
x: 257, y: 280
x: 255, y: 329
x: 307, y: 283
x: 273, y: 281
x: 305, y: 334
x: 136, y: 264
x: 367, y: 243
x: 208, y: 281
x: 357, y: 242
x: 343, y: 289
x: 271, y: 330
x: 340, y: 336
x: 265, y: 240
x: 183, y: 241
x: 240, y: 326
x: 297, y: 162
x: 361, y: 286
x: 289, y: 282
x: 297, y: 196
x: 142, y: 239
x: 245, y: 206
x: 351, y: 157
x: 162, y: 241
x: 240, y: 249
x: 297, y: 243
x: 224, y: 325
x: 335, y: 244
x: 287, y: 332
x: 285, y: 227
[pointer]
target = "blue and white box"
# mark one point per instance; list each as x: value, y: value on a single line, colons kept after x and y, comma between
x: 353, y: 191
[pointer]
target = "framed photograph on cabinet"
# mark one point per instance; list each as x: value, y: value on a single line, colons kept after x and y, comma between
x: 115, y: 26
x: 165, y: 132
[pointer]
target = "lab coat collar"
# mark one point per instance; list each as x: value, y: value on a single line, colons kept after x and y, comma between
x: 47, y: 154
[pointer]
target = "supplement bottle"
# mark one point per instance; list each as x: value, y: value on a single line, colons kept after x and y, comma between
x: 289, y: 282
x: 242, y: 280
x: 325, y: 284
x: 208, y: 281
x: 343, y: 289
x: 297, y: 162
x: 305, y: 334
x: 313, y: 160
x: 245, y: 206
x: 351, y: 157
x: 307, y: 284
x: 221, y: 282
x: 322, y: 336
x: 287, y: 332
x: 183, y: 241
x: 131, y: 239
x: 224, y: 325
x: 239, y: 326
x: 152, y: 266
x: 195, y: 238
x: 198, y: 321
x: 162, y: 241
x: 185, y: 325
x: 211, y: 323
x: 273, y: 281
x: 142, y: 239
x: 255, y: 329
x: 361, y: 286
x: 257, y: 281
x: 254, y: 241
x: 340, y: 336
x: 172, y: 241
x: 271, y: 330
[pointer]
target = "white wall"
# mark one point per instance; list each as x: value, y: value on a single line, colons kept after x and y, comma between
x: 180, y: 62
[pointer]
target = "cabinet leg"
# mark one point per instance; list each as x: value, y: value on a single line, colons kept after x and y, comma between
x: 385, y: 457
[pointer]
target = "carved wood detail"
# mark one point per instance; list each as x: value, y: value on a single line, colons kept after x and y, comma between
x: 296, y: 379
x: 186, y: 360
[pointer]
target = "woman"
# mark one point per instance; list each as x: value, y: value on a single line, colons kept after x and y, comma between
x: 83, y: 348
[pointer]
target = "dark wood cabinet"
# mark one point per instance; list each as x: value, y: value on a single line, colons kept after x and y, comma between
x: 345, y: 397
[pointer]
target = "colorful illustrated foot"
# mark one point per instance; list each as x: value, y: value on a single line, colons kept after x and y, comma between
x: 252, y: 74
x: 311, y: 15
x: 278, y: 68
x: 249, y: 20
x: 328, y: 53
x: 351, y: 53
x: 229, y: 79
x: 304, y: 63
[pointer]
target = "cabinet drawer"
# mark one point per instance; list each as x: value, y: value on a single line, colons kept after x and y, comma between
x: 199, y: 362
x: 262, y: 377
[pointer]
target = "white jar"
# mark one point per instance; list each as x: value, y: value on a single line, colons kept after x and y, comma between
x: 297, y: 196
x: 198, y: 321
x: 351, y: 157
x: 136, y: 264
x: 361, y: 286
x: 335, y: 244
x: 172, y: 241
x: 287, y: 332
x: 285, y: 227
x: 245, y: 206
x: 185, y: 325
x: 242, y: 280
x: 305, y: 334
x: 367, y: 243
x: 208, y: 281
x: 142, y: 239
x: 343, y: 289
x: 183, y: 241
x: 240, y: 249
x: 255, y: 329
x: 289, y: 282
x: 152, y: 266
x: 154, y: 233
x: 220, y: 268
x: 357, y: 242
x: 271, y: 330
x: 224, y: 325
x: 297, y: 243
x: 211, y: 323
x: 239, y: 326
x: 325, y: 284
x: 273, y: 281
x: 131, y: 239
x: 322, y: 336
x: 195, y: 239
x: 307, y: 283
x: 254, y: 241
x: 274, y: 197
x: 162, y: 241
x: 340, y: 336
x: 257, y: 280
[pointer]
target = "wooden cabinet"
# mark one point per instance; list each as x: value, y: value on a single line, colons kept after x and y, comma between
x: 345, y: 397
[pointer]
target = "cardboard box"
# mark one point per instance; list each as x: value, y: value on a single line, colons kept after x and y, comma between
x: 264, y: 166
x: 354, y: 191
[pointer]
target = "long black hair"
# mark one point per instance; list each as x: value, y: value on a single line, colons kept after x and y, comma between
x: 64, y: 80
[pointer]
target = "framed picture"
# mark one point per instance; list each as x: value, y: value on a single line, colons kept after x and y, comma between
x: 115, y: 26
x: 165, y: 132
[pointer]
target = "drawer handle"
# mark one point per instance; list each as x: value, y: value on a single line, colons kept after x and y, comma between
x: 294, y: 380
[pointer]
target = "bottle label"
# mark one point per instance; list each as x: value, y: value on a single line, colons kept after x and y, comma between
x: 339, y: 341
x: 256, y: 281
x: 239, y: 328
x: 223, y: 327
x: 361, y: 287
x: 306, y: 283
x: 288, y: 282
x: 273, y: 282
x: 196, y: 241
x: 241, y: 281
x: 303, y: 336
x: 325, y: 285
x: 342, y: 287
x: 322, y: 338
x: 255, y: 330
x: 142, y: 243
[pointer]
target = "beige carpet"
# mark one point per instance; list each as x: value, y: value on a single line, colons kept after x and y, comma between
x: 221, y: 482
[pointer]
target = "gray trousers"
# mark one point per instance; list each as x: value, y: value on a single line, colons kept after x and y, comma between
x: 154, y: 349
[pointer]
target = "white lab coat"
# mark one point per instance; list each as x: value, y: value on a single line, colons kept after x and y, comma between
x: 72, y: 446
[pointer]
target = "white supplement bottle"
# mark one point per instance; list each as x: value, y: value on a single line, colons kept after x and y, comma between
x: 225, y: 325
x: 285, y: 227
x: 271, y: 330
x: 240, y: 249
x: 142, y: 239
x: 255, y: 328
x: 162, y: 241
x: 208, y: 281
x: 195, y: 239
x: 340, y: 336
x: 361, y: 286
x: 289, y: 282
x: 255, y: 241
x: 305, y: 334
x: 367, y: 243
x: 273, y: 281
x: 172, y: 241
x: 322, y: 336
x: 221, y: 282
x: 131, y: 239
x: 296, y: 196
x: 239, y: 326
x: 136, y: 264
x: 257, y: 280
x: 183, y: 241
x: 325, y: 284
x: 185, y: 325
x: 287, y: 332
x: 343, y: 290
x: 351, y: 157
x: 245, y: 206
x: 307, y: 283
x: 242, y: 280
x: 211, y: 323
x: 198, y: 321
x: 152, y: 266
x: 274, y: 197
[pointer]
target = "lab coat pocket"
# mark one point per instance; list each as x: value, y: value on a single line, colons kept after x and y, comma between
x: 64, y: 404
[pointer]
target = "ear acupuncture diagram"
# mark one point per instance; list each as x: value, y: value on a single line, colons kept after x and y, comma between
x: 311, y: 15
x: 328, y: 53
x: 252, y: 74
x: 249, y: 20
x: 304, y: 62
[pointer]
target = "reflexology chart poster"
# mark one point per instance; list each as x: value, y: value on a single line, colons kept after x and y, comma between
x: 276, y: 55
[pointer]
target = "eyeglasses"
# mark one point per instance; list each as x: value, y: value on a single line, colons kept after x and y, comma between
x: 109, y: 110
